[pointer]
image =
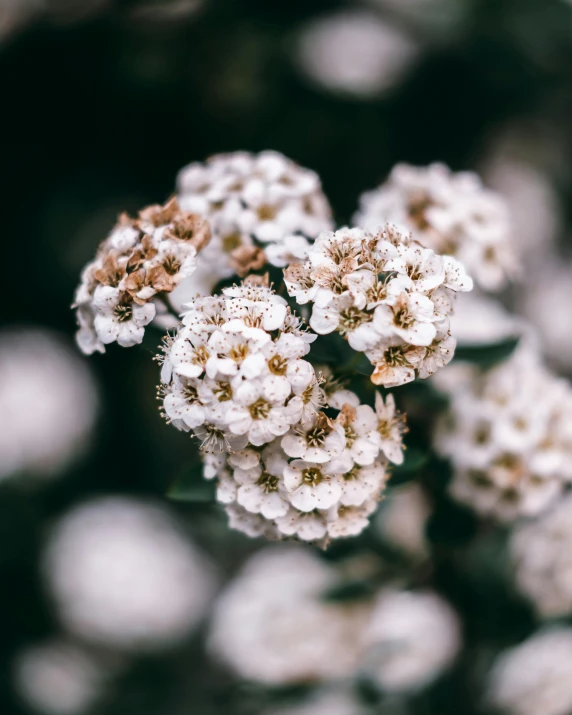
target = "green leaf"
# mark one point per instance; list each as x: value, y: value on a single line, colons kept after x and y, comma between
x: 487, y: 355
x: 190, y: 486
x: 415, y: 459
x: 353, y: 590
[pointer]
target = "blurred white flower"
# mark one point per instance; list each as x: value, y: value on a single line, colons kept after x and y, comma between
x: 508, y: 436
x: 58, y: 678
x: 48, y: 403
x: 402, y: 519
x: 480, y: 320
x: 14, y: 14
x: 411, y: 638
x: 272, y: 625
x: 536, y: 215
x: 546, y: 303
x: 355, y: 53
x: 536, y: 676
x: 542, y: 554
x: 122, y: 574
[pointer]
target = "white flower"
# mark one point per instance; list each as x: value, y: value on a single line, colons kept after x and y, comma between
x: 48, y: 403
x: 541, y: 555
x: 410, y: 639
x: 375, y: 55
x: 258, y: 410
x: 272, y: 625
x: 363, y: 483
x: 314, y: 486
x: 261, y: 489
x: 58, y: 677
x: 409, y: 318
x: 319, y: 440
x: 351, y: 520
x: 535, y: 676
x: 118, y: 318
x: 182, y: 403
x: 451, y: 214
x: 122, y: 574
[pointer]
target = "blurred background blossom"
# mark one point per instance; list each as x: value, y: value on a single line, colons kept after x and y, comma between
x: 117, y: 600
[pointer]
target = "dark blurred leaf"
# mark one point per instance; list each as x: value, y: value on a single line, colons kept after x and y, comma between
x: 353, y: 590
x: 415, y: 459
x: 190, y: 486
x: 487, y: 355
x: 451, y: 524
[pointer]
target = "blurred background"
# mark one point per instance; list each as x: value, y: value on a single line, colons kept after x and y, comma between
x: 103, y: 102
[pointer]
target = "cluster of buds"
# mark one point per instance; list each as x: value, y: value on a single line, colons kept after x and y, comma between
x: 449, y: 213
x: 136, y: 267
x: 386, y: 294
x: 508, y: 435
x: 235, y: 375
x: 262, y: 209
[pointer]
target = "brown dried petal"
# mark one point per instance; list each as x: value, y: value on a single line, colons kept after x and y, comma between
x: 160, y: 215
x: 111, y: 273
x: 254, y: 280
x: 189, y: 227
x: 247, y: 258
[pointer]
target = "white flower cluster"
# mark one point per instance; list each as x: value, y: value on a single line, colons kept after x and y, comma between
x: 542, y: 554
x: 142, y: 258
x: 449, y: 213
x: 275, y: 624
x: 272, y: 624
x: 386, y: 294
x: 508, y: 435
x: 535, y: 676
x: 261, y: 207
x: 123, y: 574
x: 235, y: 375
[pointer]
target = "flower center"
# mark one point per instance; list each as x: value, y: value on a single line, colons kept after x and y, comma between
x: 201, y: 355
x: 268, y: 482
x: 350, y: 319
x: 232, y: 241
x: 238, y: 352
x: 394, y: 356
x: 312, y: 476
x: 351, y: 435
x: 172, y: 265
x: 123, y: 311
x: 316, y: 437
x: 191, y: 394
x: 266, y: 212
x: 223, y: 391
x: 277, y: 365
x: 403, y: 318
x: 260, y: 409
